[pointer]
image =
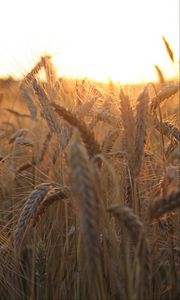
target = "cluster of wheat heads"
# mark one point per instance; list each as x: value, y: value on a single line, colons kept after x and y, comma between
x: 89, y: 190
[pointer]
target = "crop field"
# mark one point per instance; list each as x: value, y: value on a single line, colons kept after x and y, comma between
x: 89, y: 188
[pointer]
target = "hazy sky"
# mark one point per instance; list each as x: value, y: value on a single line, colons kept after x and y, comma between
x: 98, y: 38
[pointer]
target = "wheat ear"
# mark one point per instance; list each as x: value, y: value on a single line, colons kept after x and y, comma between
x: 164, y: 205
x: 34, y: 199
x: 23, y: 166
x: 45, y: 145
x: 168, y: 49
x: 136, y: 231
x: 84, y: 188
x: 27, y: 94
x: 19, y: 133
x: 92, y: 146
x: 140, y: 129
x: 109, y: 141
x: 49, y: 69
x: 165, y: 93
x: 160, y: 74
x: 85, y: 108
x: 129, y: 125
x: 57, y: 193
x: 47, y: 110
x: 167, y: 128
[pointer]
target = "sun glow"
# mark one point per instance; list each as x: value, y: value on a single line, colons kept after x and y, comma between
x: 100, y: 39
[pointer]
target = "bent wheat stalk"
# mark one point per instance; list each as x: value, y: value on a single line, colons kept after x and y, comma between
x: 165, y: 93
x: 19, y: 133
x: 92, y: 145
x: 57, y: 193
x: 167, y: 128
x: 164, y: 205
x: 131, y: 221
x: 23, y: 167
x: 34, y: 199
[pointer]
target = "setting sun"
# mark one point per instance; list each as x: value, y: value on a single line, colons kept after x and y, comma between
x: 100, y: 39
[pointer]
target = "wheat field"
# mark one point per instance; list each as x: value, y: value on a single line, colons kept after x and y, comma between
x: 89, y: 188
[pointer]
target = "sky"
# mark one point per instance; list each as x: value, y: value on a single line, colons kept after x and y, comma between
x: 117, y: 39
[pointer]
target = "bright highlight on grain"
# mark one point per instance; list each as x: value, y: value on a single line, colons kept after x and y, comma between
x: 99, y: 39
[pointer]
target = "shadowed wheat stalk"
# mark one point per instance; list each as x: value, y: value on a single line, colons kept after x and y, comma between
x: 57, y: 193
x: 136, y: 231
x: 17, y: 114
x: 23, y: 166
x: 34, y: 199
x: 83, y: 186
x: 24, y: 141
x: 164, y: 205
x: 131, y: 221
x: 19, y: 133
x: 129, y: 125
x: 45, y: 145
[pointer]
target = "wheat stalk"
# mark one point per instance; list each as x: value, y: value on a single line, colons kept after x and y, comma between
x: 57, y: 193
x: 85, y: 108
x: 17, y: 113
x: 40, y: 264
x: 49, y: 69
x: 131, y: 221
x: 165, y: 93
x: 45, y: 145
x: 83, y: 186
x: 109, y: 141
x: 167, y: 128
x: 27, y: 94
x: 19, y: 133
x: 31, y: 204
x: 168, y: 49
x: 160, y: 74
x: 140, y: 129
x: 164, y: 205
x: 23, y: 167
x: 170, y: 147
x: 129, y: 125
x: 106, y: 117
x: 48, y: 112
x: 24, y: 141
x: 136, y: 231
x: 29, y: 77
x: 92, y: 146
